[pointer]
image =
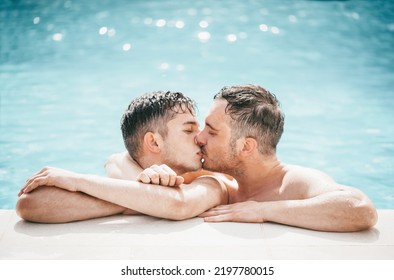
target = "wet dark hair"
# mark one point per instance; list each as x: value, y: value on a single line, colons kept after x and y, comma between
x: 256, y: 113
x: 150, y: 113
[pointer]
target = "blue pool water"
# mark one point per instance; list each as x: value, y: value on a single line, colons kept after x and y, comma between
x: 68, y: 69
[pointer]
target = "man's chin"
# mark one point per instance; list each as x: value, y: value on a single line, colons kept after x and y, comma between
x: 193, y: 168
x: 211, y: 167
x: 206, y: 166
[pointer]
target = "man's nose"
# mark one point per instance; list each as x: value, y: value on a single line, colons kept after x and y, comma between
x: 197, y: 139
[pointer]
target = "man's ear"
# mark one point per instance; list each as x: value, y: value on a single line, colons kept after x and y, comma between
x: 249, y: 146
x: 151, y: 142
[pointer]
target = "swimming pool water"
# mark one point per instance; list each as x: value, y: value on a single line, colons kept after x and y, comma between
x: 68, y: 69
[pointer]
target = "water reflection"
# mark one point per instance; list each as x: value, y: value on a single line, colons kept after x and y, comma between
x: 179, y: 24
x: 57, y: 37
x: 36, y: 20
x: 204, y: 36
x: 330, y: 63
x: 161, y: 23
x: 231, y: 38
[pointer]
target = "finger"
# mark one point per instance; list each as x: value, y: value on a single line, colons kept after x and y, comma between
x: 172, y: 175
x: 34, y: 184
x: 38, y: 173
x: 218, y: 218
x: 153, y: 176
x: 33, y: 177
x: 43, y: 172
x: 166, y: 168
x: 20, y: 192
x: 36, y: 179
x: 214, y: 212
x: 143, y: 178
x: 179, y: 180
x: 220, y: 209
x: 164, y: 177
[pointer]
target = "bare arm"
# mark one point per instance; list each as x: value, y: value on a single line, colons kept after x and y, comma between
x: 343, y: 210
x: 176, y: 203
x: 321, y: 205
x: 54, y: 205
x: 338, y: 211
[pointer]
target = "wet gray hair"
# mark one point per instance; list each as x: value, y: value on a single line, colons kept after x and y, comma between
x: 256, y: 113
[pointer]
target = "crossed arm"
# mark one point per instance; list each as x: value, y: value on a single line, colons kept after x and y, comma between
x: 177, y: 203
x: 63, y: 196
x: 312, y: 200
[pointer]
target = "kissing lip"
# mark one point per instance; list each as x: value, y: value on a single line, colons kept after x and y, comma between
x: 202, y: 156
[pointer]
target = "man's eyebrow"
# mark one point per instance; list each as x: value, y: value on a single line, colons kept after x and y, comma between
x: 190, y: 123
x: 210, y: 126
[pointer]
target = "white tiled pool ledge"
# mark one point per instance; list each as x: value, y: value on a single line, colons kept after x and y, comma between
x: 147, y: 238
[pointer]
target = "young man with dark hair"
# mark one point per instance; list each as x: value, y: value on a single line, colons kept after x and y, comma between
x: 159, y: 130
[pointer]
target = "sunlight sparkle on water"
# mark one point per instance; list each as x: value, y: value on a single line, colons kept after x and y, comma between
x: 57, y: 37
x: 161, y: 23
x: 263, y: 27
x: 126, y: 47
x: 203, y: 24
x: 103, y: 30
x: 204, y: 36
x: 231, y: 38
x: 179, y: 24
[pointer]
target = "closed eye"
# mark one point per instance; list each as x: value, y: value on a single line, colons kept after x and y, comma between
x: 190, y: 127
x: 211, y: 130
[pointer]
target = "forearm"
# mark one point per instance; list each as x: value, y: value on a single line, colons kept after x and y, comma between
x: 154, y: 200
x: 55, y: 205
x: 335, y: 211
x: 176, y: 203
x: 185, y: 201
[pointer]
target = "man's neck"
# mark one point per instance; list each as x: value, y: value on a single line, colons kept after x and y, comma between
x: 257, y: 174
x: 149, y: 160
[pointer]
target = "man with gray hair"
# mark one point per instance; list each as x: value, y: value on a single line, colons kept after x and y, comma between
x: 240, y: 137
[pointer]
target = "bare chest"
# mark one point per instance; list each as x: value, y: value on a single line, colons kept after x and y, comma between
x: 274, y: 192
x: 239, y: 195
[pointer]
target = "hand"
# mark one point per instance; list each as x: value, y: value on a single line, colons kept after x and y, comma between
x: 246, y: 212
x: 50, y: 176
x: 160, y: 175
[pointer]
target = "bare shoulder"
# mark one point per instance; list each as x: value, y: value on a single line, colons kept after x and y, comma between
x: 297, y: 172
x: 112, y: 165
x: 122, y: 166
x: 305, y: 182
x: 214, y: 183
x: 115, y: 159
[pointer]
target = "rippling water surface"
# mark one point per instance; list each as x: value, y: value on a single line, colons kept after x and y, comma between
x: 68, y: 69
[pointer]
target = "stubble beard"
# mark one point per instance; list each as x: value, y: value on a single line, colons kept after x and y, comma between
x: 225, y: 162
